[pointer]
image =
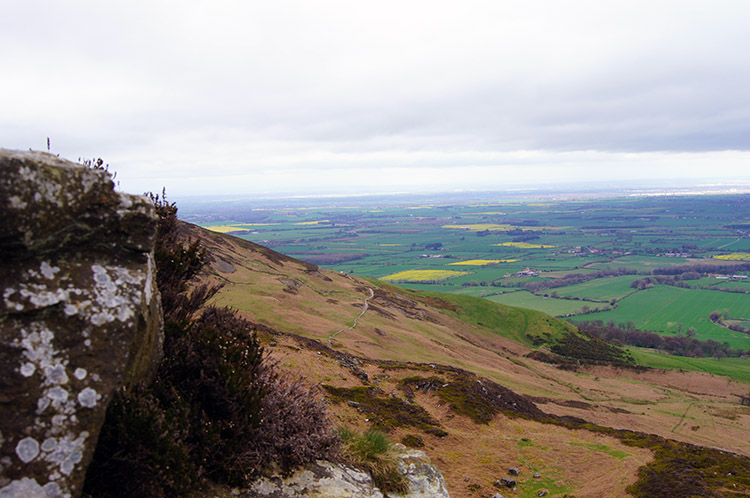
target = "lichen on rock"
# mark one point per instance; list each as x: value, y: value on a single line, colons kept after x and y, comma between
x: 327, y: 479
x: 79, y: 315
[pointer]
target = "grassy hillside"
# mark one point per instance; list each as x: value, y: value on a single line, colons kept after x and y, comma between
x: 393, y: 334
x: 731, y: 367
x: 522, y: 325
x: 555, y: 307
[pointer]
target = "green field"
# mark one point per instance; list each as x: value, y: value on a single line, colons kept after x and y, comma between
x: 551, y: 306
x: 664, y: 308
x: 603, y: 289
x: 737, y: 368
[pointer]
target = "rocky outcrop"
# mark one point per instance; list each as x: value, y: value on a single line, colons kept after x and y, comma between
x: 316, y: 480
x: 325, y: 479
x: 425, y: 480
x: 79, y: 315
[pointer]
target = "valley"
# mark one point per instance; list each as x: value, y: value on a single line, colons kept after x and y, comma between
x: 392, y: 348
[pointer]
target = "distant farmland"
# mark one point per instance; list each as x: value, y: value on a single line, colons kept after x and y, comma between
x: 491, y: 247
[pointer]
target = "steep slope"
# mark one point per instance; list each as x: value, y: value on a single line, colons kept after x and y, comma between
x: 369, y: 325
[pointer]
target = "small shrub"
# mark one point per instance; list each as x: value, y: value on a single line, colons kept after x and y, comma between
x: 371, y: 451
x: 294, y: 427
x: 437, y: 432
x: 591, y: 350
x: 412, y: 441
x: 478, y: 399
x: 384, y: 412
x: 141, y: 451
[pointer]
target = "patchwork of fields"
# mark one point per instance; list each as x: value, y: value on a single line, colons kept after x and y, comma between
x: 524, y: 253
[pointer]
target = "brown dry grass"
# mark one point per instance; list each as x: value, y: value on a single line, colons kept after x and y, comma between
x: 571, y: 459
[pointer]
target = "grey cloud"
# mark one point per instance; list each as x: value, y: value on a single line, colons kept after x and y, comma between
x: 236, y: 88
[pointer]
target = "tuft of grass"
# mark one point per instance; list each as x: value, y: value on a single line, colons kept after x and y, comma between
x: 525, y: 442
x: 372, y: 451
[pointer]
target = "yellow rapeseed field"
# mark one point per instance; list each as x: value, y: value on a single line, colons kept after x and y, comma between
x: 236, y: 227
x: 424, y: 275
x: 223, y: 228
x: 482, y: 262
x: 735, y: 256
x: 524, y: 245
x: 312, y: 222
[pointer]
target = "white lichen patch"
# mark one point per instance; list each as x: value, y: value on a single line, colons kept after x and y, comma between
x: 48, y: 271
x: 114, y: 295
x: 88, y: 397
x: 28, y: 369
x: 40, y: 353
x: 150, y: 265
x: 125, y: 201
x: 29, y: 488
x: 27, y: 449
x: 64, y: 453
x: 40, y: 297
x: 16, y: 202
x: 80, y: 373
x: 56, y: 374
x: 58, y: 395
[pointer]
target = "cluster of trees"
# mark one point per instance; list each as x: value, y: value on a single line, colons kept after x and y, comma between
x: 722, y: 317
x: 329, y: 258
x: 701, y: 268
x: 677, y: 280
x: 734, y: 290
x: 680, y: 345
x: 576, y: 278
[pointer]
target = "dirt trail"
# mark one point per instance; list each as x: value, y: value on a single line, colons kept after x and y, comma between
x: 365, y: 307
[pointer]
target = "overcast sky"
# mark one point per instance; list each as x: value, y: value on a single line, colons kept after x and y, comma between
x: 323, y: 96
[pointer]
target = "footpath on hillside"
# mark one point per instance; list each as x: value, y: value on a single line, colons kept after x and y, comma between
x: 365, y: 307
